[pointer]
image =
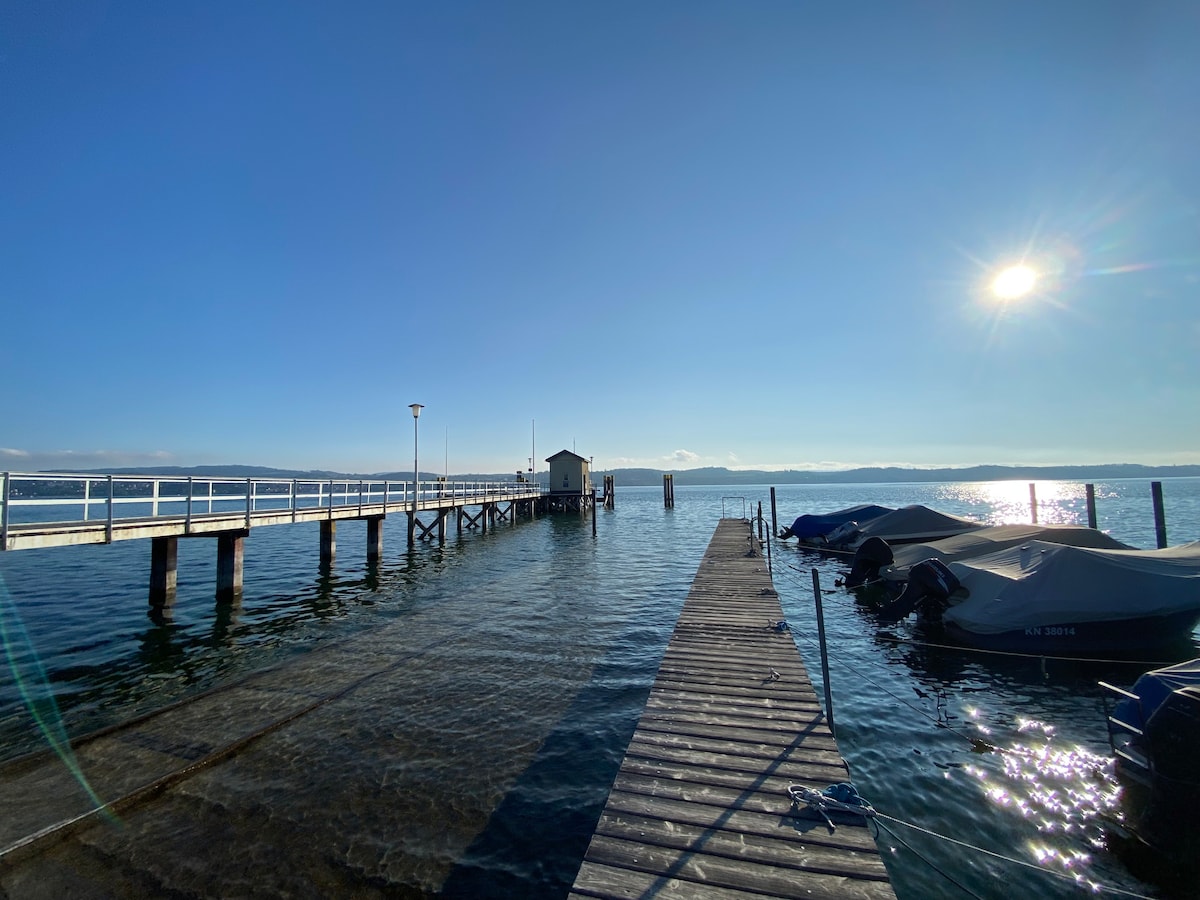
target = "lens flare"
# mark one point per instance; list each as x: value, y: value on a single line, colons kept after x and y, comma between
x: 34, y: 687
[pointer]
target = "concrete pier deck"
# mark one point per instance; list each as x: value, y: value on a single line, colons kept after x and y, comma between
x: 700, y: 807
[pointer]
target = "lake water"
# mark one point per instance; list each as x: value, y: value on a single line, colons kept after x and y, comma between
x: 503, y: 676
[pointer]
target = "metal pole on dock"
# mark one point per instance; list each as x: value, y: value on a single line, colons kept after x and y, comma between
x: 1160, y: 518
x: 774, y: 517
x: 824, y: 651
x: 770, y: 570
x: 412, y: 519
x: 1091, y: 504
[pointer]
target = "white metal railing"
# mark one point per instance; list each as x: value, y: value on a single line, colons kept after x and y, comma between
x: 42, y: 498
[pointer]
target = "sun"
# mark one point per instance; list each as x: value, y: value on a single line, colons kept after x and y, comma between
x: 1014, y: 282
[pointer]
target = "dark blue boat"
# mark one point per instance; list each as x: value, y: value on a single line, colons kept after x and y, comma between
x: 811, y: 526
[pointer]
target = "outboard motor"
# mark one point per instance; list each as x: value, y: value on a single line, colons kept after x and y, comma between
x: 871, y: 556
x: 929, y: 582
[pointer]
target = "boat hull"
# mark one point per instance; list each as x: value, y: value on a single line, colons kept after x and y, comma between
x: 1129, y: 638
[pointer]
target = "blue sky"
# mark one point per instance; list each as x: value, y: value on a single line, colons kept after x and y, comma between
x: 668, y: 234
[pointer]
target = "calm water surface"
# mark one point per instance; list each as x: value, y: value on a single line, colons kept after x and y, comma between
x: 511, y: 670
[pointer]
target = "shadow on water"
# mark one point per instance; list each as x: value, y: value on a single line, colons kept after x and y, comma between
x: 537, y: 836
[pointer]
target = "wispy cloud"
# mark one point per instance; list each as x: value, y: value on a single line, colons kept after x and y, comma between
x: 50, y: 460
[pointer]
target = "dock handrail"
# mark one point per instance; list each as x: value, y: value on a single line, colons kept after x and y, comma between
x: 31, y: 499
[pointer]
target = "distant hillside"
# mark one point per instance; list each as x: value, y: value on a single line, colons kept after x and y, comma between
x: 718, y: 475
x: 894, y: 475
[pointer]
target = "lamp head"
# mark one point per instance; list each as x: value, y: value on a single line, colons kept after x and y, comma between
x: 416, y: 408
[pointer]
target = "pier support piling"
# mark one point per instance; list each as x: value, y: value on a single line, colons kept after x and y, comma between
x: 230, y: 559
x: 1091, y: 504
x: 374, y: 540
x: 164, y: 560
x: 328, y: 542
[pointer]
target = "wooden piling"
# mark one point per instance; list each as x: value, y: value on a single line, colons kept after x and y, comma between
x: 668, y: 491
x: 1033, y: 503
x: 1091, y: 504
x: 1160, y: 517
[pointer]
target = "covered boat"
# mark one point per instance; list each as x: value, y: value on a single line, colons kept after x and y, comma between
x: 992, y: 539
x: 811, y: 526
x: 902, y: 526
x: 1153, y: 731
x: 1054, y: 599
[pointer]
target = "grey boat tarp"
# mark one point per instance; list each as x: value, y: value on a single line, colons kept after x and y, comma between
x: 1039, y: 583
x: 991, y: 539
x: 913, y: 523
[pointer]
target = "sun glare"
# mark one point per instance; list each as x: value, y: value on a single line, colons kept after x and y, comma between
x: 1014, y: 282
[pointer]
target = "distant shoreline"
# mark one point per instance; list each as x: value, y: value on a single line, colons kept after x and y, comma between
x: 717, y: 475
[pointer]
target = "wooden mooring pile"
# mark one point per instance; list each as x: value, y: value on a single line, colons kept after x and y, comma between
x: 700, y: 807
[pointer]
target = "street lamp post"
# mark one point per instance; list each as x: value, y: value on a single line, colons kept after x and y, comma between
x: 412, y: 522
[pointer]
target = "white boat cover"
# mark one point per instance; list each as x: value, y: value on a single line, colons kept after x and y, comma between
x: 913, y: 523
x: 1040, y: 583
x: 983, y: 541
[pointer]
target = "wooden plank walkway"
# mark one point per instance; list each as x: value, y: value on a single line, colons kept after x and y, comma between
x: 700, y: 807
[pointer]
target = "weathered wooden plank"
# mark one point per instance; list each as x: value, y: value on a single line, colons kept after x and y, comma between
x: 773, y: 849
x: 805, y: 829
x: 600, y: 881
x: 773, y: 880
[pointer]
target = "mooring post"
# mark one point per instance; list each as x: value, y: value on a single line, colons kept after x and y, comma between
x: 668, y: 491
x: 1091, y: 504
x: 1033, y: 502
x: 760, y: 522
x: 774, y: 516
x: 1160, y: 518
x: 824, y: 652
x: 593, y: 512
x: 164, y: 559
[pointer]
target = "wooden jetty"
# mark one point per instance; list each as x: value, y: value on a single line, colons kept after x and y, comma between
x: 700, y: 807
